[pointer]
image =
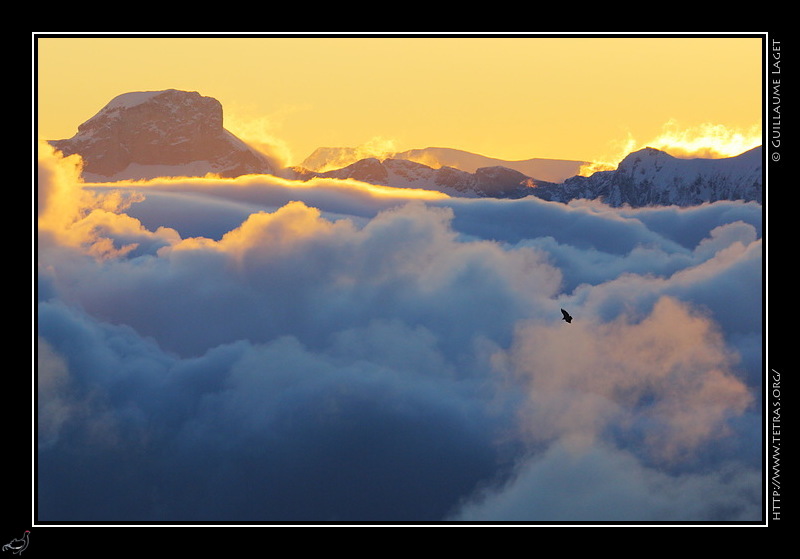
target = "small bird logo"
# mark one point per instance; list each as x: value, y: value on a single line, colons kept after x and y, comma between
x: 17, y: 546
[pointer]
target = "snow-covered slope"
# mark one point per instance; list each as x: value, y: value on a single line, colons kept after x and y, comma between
x: 149, y: 134
x: 652, y: 177
x: 549, y: 170
x: 495, y: 182
x: 647, y: 177
x: 146, y: 134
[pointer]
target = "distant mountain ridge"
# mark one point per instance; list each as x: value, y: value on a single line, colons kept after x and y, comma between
x: 143, y: 135
x: 486, y: 182
x: 647, y: 177
x: 548, y: 170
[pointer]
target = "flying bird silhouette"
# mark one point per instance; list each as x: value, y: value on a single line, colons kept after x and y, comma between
x: 566, y: 317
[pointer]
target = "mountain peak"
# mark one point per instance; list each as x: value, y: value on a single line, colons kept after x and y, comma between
x: 646, y: 156
x: 496, y: 181
x: 650, y: 176
x: 547, y: 170
x: 144, y: 134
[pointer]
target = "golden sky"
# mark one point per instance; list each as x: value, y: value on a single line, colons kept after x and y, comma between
x: 510, y: 98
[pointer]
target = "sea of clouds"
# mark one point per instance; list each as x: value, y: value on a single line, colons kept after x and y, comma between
x: 255, y: 349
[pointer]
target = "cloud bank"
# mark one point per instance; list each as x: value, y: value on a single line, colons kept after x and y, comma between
x: 259, y: 350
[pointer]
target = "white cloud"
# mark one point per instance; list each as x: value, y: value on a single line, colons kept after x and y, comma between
x: 666, y: 380
x: 259, y: 349
x: 599, y: 483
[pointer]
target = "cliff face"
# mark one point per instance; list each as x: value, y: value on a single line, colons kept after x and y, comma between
x: 161, y: 133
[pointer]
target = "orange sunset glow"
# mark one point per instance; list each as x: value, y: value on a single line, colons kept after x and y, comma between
x: 705, y: 140
x: 401, y: 280
x: 508, y: 98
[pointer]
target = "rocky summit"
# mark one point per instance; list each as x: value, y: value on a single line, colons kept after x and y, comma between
x: 141, y: 135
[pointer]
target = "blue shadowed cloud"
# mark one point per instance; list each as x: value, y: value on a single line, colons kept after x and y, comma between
x: 252, y: 350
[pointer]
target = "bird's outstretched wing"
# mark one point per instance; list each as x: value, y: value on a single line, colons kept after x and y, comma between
x: 567, y: 316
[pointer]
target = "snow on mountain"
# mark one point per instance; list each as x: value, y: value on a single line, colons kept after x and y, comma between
x: 549, y: 170
x: 495, y: 182
x: 651, y: 177
x: 646, y: 177
x: 146, y: 134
